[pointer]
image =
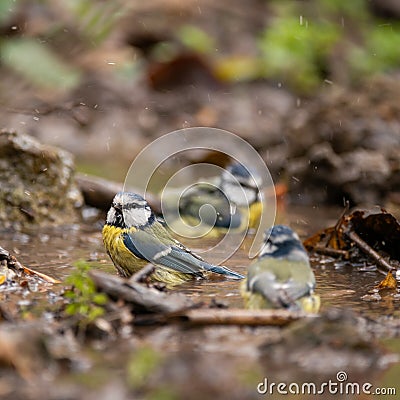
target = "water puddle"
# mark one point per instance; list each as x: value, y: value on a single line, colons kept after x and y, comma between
x: 340, y: 285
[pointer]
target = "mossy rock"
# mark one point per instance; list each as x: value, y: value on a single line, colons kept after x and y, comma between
x: 36, y: 183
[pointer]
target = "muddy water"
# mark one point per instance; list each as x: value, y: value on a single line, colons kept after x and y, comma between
x: 339, y: 284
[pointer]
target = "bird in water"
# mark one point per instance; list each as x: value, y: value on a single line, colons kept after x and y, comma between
x: 281, y: 276
x: 234, y: 197
x: 134, y: 237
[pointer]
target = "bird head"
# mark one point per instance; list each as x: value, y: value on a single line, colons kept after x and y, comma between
x: 241, y: 185
x: 280, y: 241
x: 129, y: 210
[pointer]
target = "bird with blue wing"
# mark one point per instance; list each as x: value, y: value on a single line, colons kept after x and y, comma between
x: 281, y: 276
x: 134, y: 237
x: 234, y: 197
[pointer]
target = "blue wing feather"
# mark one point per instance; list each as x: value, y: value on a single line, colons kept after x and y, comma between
x: 146, y: 247
x: 132, y: 248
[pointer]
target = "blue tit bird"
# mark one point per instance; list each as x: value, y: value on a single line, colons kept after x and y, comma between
x: 234, y: 196
x: 247, y: 196
x: 133, y: 237
x: 281, y: 276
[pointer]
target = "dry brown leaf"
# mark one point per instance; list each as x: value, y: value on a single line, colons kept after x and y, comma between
x: 389, y: 282
x: 375, y: 232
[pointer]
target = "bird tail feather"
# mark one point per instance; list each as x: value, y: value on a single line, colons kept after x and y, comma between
x: 217, y: 269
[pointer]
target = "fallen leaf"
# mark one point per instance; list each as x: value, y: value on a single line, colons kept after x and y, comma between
x: 374, y: 232
x: 389, y: 282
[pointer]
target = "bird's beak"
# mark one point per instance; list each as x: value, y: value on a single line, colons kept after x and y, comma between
x: 118, y: 207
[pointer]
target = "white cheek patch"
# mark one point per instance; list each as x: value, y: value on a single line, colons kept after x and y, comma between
x: 251, y: 195
x: 268, y: 249
x: 136, y: 216
x: 111, y: 216
x: 239, y: 195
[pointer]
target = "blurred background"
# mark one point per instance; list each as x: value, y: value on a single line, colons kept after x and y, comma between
x: 312, y: 85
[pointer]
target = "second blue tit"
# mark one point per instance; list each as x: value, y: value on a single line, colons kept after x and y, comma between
x: 133, y: 237
x: 234, y: 197
x: 281, y: 276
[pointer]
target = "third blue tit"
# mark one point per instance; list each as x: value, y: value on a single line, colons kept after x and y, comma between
x: 133, y: 237
x: 234, y: 197
x: 281, y: 276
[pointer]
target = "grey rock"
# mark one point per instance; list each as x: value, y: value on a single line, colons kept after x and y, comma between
x: 36, y: 183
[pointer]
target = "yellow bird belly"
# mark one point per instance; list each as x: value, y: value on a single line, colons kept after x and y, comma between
x: 255, y: 301
x: 255, y: 212
x: 310, y: 304
x: 128, y: 264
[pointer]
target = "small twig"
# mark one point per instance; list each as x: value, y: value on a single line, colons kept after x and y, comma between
x: 328, y: 251
x: 13, y: 263
x: 142, y: 274
x: 194, y: 316
x: 45, y: 277
x: 341, y: 219
x: 367, y: 249
x: 204, y: 316
x: 338, y: 224
x: 144, y: 298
